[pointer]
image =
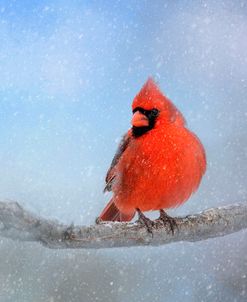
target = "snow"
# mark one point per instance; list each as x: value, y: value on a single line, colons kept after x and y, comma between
x: 68, y: 74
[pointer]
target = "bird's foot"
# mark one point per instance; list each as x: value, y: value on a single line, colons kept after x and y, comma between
x: 145, y: 221
x: 68, y: 233
x: 166, y: 219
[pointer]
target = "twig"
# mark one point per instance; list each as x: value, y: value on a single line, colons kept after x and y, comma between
x: 19, y: 224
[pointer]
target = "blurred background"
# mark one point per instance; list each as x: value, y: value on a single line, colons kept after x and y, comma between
x: 68, y: 73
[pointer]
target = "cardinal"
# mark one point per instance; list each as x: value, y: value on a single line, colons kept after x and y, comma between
x: 159, y: 162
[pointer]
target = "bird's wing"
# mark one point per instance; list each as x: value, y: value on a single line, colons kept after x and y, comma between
x: 111, y: 172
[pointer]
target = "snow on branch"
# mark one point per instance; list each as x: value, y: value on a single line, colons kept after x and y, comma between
x: 19, y: 224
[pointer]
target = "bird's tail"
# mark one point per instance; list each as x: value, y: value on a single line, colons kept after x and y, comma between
x: 112, y: 213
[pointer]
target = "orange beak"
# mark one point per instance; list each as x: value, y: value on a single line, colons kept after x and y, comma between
x: 139, y: 120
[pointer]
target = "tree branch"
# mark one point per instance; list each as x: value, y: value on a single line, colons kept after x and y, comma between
x: 18, y: 223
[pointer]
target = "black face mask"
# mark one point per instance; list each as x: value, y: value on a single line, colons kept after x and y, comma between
x: 151, y: 115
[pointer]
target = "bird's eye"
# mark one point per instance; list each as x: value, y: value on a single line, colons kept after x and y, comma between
x: 154, y: 112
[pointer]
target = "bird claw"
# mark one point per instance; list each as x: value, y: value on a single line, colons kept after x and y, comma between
x: 166, y: 219
x: 146, y: 222
x: 68, y: 233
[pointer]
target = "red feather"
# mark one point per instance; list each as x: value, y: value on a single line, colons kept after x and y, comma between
x: 159, y: 169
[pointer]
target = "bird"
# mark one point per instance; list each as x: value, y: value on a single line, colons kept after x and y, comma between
x: 159, y: 162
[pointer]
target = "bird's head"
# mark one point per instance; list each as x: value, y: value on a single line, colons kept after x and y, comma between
x: 151, y: 108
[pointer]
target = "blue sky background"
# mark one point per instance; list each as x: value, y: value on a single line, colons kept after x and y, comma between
x: 68, y: 73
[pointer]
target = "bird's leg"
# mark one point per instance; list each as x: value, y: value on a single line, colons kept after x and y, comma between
x: 166, y: 219
x: 145, y: 221
x: 68, y: 233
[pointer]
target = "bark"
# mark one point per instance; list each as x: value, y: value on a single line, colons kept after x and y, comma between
x: 19, y: 224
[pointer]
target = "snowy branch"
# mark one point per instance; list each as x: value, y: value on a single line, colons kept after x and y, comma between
x: 20, y: 224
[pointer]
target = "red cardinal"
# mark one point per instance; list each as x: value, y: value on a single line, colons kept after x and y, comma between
x: 159, y: 162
